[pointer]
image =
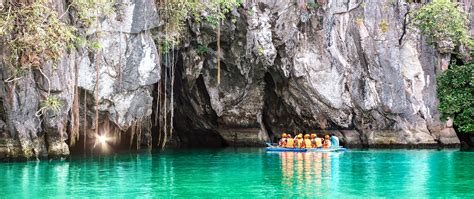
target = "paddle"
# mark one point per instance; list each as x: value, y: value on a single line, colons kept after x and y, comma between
x: 269, y: 144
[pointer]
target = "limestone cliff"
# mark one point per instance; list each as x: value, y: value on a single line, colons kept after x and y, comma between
x: 350, y: 67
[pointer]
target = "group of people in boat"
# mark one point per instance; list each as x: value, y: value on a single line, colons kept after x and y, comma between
x: 308, y: 141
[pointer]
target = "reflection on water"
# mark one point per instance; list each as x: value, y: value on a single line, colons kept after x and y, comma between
x: 246, y: 173
x: 306, y: 171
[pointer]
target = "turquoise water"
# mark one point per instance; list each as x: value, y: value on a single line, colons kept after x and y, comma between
x: 246, y: 173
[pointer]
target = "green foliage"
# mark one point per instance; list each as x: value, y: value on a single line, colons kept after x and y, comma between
x: 80, y: 41
x: 166, y: 45
x: 456, y: 96
x: 19, y: 72
x: 213, y: 20
x: 202, y: 50
x: 250, y: 12
x: 94, y: 45
x: 87, y: 11
x: 176, y: 12
x: 392, y: 2
x: 312, y: 5
x: 261, y: 51
x: 34, y: 34
x: 383, y: 26
x: 442, y: 20
x: 51, y: 103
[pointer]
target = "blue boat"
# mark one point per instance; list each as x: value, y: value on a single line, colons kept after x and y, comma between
x: 279, y: 149
x: 335, y: 149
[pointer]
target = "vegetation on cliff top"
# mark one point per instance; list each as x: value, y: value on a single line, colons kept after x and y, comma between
x: 175, y: 13
x: 443, y: 20
x: 34, y: 34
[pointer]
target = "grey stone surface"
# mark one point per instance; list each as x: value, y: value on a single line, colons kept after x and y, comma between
x: 346, y: 65
x: 128, y: 64
x: 354, y: 67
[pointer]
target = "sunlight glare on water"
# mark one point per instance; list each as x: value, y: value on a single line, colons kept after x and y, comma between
x: 246, y: 173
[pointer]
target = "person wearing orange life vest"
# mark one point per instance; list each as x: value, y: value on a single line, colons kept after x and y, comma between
x: 307, y: 142
x: 282, y: 142
x: 299, y: 141
x: 318, y: 142
x: 290, y: 142
x: 327, y: 142
x: 313, y: 140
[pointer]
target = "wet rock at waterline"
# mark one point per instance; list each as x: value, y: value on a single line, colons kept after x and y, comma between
x: 283, y: 68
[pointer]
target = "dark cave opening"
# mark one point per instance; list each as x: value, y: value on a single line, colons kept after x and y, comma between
x: 194, y: 121
x: 279, y: 117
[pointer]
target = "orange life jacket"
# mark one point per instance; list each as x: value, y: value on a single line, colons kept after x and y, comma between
x: 299, y: 143
x: 319, y: 142
x: 282, y: 142
x: 290, y: 143
x: 307, y: 143
x: 327, y: 143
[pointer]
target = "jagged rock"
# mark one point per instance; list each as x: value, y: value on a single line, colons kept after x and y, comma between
x: 448, y: 137
x: 353, y: 67
x: 127, y: 65
x: 348, y: 65
x: 20, y: 104
x: 132, y: 16
x: 351, y: 138
x: 3, y: 128
x: 9, y: 149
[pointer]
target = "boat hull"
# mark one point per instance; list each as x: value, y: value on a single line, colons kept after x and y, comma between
x: 278, y: 149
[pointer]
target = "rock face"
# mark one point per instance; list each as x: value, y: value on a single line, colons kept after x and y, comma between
x: 126, y: 66
x: 348, y: 67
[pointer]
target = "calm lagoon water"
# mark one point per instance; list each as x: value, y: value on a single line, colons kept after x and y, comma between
x: 246, y: 173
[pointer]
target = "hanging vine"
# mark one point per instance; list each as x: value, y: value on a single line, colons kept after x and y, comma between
x: 87, y: 14
x: 174, y: 14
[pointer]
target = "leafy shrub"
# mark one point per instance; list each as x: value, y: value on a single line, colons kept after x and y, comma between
x: 442, y: 20
x: 383, y: 26
x: 34, y: 34
x: 51, y: 103
x: 312, y: 5
x: 202, y: 50
x: 456, y: 96
x: 87, y: 11
x: 176, y: 12
x: 261, y: 51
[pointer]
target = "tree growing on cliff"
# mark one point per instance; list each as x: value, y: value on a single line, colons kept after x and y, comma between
x: 456, y: 96
x: 443, y: 21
